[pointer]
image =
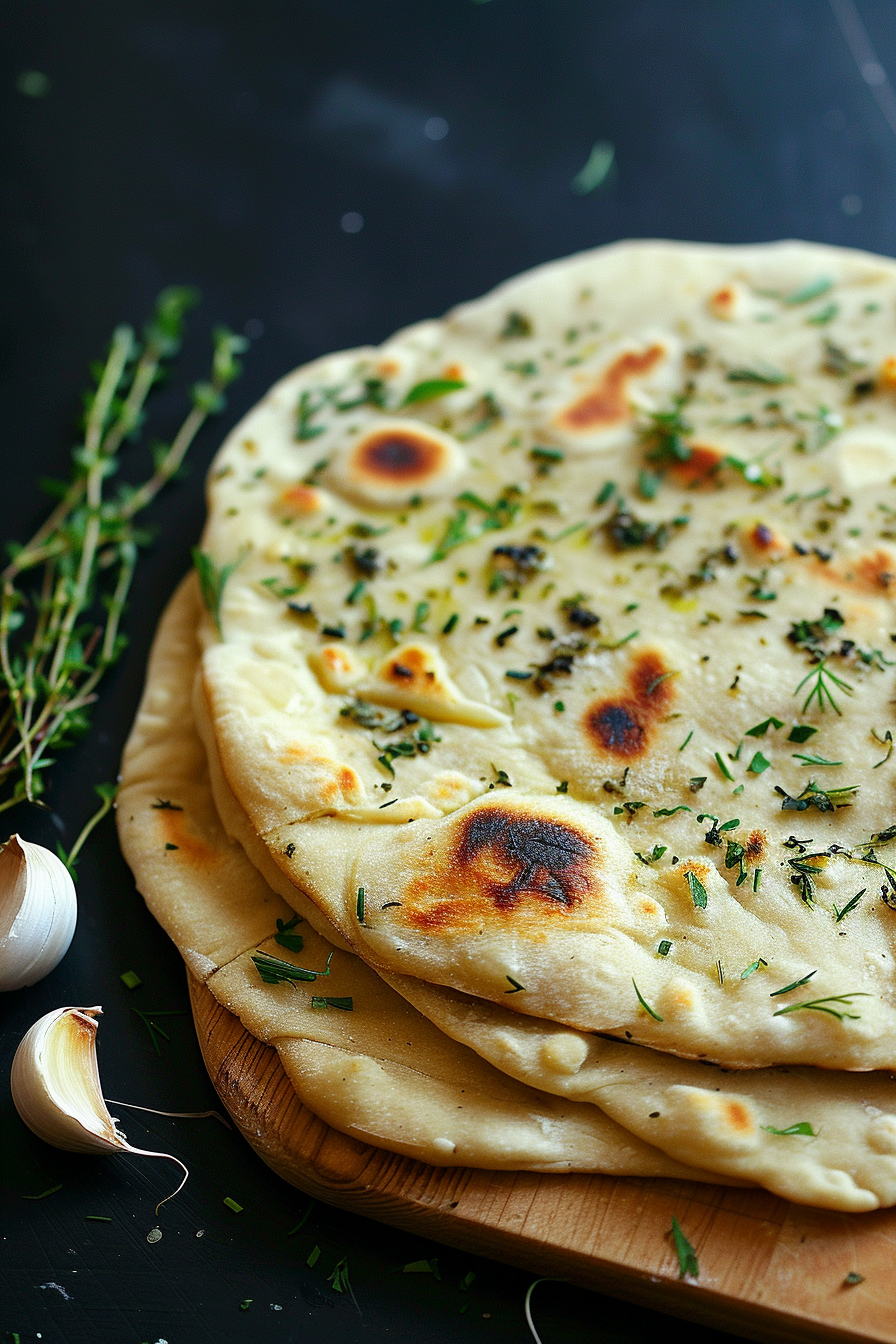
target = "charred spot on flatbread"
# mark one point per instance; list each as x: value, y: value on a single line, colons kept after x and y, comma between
x: 394, y: 460
x: 606, y: 403
x: 512, y: 855
x: 178, y: 834
x: 623, y: 724
x: 523, y: 860
x: 699, y: 469
x: 873, y: 573
x: 395, y: 456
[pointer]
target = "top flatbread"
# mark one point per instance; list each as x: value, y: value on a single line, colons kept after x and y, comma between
x: 562, y: 630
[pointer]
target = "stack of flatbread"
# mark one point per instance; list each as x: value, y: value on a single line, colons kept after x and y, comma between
x: 519, y: 762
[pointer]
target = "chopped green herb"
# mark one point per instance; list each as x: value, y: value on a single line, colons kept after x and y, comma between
x: 697, y: 890
x: 313, y: 1257
x: 801, y: 1127
x: 310, y: 406
x: 516, y: 325
x: 819, y: 1006
x: 665, y: 947
x: 670, y: 811
x: 130, y: 979
x: 423, y: 1267
x: 347, y: 1004
x: 887, y: 739
x: 303, y: 1220
x: 812, y: 290
x: 563, y: 786
x: 824, y: 315
x: 155, y: 1031
x: 795, y: 985
x: 606, y: 492
x: 800, y: 732
x: 648, y: 484
x: 430, y: 389
x: 764, y: 374
x: 760, y: 729
x: 760, y: 964
x: 595, y: 170
x: 559, y: 706
x: 450, y: 623
x: 546, y: 458
x: 644, y: 1004
x: 232, y: 1205
x: 811, y: 759
x: 687, y: 1256
x: 625, y: 531
x: 850, y: 905
x: 294, y: 942
x: 823, y: 800
x: 852, y: 1279
x: 274, y: 971
x: 687, y: 740
x: 340, y: 1280
x: 758, y: 764
x: 96, y: 1218
x: 360, y: 905
x: 723, y: 767
x: 43, y: 1195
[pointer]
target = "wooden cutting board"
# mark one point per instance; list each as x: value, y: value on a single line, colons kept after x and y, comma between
x: 769, y: 1270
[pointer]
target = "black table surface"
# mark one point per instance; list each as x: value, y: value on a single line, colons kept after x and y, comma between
x: 326, y: 171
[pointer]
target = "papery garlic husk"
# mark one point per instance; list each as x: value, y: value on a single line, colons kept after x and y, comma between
x: 38, y: 912
x: 56, y: 1088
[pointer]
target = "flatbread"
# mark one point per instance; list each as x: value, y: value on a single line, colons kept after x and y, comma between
x: 619, y: 536
x: 380, y: 1071
x: 809, y: 1135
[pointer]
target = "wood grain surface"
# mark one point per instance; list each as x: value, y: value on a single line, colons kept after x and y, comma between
x: 769, y: 1270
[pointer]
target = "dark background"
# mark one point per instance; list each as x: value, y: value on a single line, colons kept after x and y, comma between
x: 222, y: 144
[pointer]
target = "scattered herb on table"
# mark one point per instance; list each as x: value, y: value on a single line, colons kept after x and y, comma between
x: 687, y: 1256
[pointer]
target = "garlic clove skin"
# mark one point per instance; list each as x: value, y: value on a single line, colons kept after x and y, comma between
x: 56, y: 1084
x: 38, y: 913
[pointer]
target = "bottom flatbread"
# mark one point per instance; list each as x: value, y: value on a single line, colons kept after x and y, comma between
x: 380, y: 1071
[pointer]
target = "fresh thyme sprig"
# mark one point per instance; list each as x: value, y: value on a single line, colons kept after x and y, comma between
x: 107, y: 794
x: 63, y: 594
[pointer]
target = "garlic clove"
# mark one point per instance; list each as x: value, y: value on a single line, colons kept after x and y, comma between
x: 38, y: 912
x: 56, y: 1084
x: 56, y: 1088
